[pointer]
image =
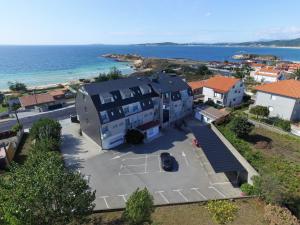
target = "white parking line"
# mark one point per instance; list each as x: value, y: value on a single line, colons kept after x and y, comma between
x: 184, y: 156
x: 182, y: 195
x: 218, y: 191
x: 163, y: 196
x: 135, y: 165
x: 197, y: 190
x: 104, y: 198
x: 129, y: 174
x: 159, y: 164
x: 124, y: 197
x: 142, y: 157
x: 119, y: 156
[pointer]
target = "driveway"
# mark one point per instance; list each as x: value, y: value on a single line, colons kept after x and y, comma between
x: 115, y: 174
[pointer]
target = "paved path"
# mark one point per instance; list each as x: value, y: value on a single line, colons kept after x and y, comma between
x: 27, y: 122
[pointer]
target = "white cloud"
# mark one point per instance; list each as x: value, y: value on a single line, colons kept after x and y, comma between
x: 208, y: 14
x: 279, y: 33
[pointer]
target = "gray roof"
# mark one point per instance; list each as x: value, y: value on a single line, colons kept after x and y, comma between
x: 213, y: 113
x: 114, y: 85
x: 162, y: 82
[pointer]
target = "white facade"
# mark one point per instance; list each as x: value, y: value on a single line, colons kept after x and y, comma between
x: 232, y: 97
x: 267, y: 77
x: 279, y: 106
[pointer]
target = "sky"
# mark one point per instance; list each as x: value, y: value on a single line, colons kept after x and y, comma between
x: 43, y: 22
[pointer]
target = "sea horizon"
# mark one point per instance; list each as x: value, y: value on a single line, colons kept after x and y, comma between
x: 38, y: 65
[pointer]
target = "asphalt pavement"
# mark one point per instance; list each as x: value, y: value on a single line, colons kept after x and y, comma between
x: 27, y: 122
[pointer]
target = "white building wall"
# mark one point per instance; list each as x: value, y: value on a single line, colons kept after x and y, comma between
x: 279, y: 106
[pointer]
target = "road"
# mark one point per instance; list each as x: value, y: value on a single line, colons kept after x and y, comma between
x: 28, y: 121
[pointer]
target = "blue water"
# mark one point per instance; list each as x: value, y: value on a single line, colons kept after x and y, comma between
x: 40, y: 65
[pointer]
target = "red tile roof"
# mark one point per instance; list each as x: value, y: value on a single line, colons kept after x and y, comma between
x: 31, y: 100
x: 57, y: 93
x: 197, y: 84
x: 289, y: 88
x: 268, y: 71
x: 221, y: 84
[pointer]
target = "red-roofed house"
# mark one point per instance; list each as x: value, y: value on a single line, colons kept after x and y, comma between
x: 197, y: 86
x: 224, y: 91
x: 282, y: 98
x: 268, y: 74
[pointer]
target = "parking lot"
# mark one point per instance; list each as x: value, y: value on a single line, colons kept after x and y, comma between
x: 115, y: 174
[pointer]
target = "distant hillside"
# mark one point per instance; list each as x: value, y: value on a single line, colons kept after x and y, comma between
x: 274, y: 43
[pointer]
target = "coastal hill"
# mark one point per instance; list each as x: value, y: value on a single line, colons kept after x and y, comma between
x: 273, y: 43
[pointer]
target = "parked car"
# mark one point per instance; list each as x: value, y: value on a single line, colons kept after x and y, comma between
x: 166, y: 161
x: 74, y: 119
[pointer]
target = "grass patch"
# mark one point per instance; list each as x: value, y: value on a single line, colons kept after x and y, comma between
x: 250, y: 211
x: 3, y: 109
x: 23, y: 149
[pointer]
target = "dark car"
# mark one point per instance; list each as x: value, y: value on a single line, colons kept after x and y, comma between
x: 74, y: 119
x: 166, y: 161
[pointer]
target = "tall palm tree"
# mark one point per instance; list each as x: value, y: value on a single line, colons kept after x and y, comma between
x: 15, y: 108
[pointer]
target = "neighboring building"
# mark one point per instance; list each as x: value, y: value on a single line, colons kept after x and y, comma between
x: 224, y: 91
x: 210, y: 114
x: 292, y: 67
x: 108, y: 109
x: 268, y: 74
x: 282, y: 98
x: 41, y: 102
x: 197, y: 87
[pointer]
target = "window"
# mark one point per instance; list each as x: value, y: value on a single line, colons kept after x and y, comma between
x: 135, y: 108
x: 104, y: 129
x: 241, y: 85
x: 126, y: 110
x: 234, y: 99
x: 107, y: 100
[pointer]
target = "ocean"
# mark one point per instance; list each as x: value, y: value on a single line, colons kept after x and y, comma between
x: 41, y: 65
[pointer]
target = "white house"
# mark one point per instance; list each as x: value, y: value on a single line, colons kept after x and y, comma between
x: 224, y: 91
x: 268, y: 74
x: 282, y: 98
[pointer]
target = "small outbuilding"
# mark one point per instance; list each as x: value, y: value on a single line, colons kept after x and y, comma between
x: 209, y: 114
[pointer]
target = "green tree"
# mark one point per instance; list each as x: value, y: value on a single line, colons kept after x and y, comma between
x: 259, y: 110
x: 102, y: 77
x: 134, y: 136
x: 296, y: 74
x: 114, y: 73
x: 15, y: 108
x: 222, y: 211
x: 240, y: 126
x: 42, y: 191
x: 139, y: 208
x: 46, y: 128
x: 17, y: 86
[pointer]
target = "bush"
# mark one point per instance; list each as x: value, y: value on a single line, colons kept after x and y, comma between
x: 222, y: 211
x: 276, y: 215
x: 139, y: 208
x: 134, y: 137
x: 17, y: 86
x: 259, y: 110
x: 249, y: 189
x: 283, y: 124
x: 46, y: 128
x: 16, y: 127
x: 240, y: 126
x: 45, y: 145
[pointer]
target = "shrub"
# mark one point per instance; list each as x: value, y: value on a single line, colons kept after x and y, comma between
x: 17, y: 86
x: 46, y: 128
x: 139, y: 208
x: 240, y: 126
x: 259, y: 110
x: 249, y: 189
x: 276, y: 215
x: 16, y: 127
x: 134, y: 137
x: 283, y: 124
x: 45, y: 145
x: 222, y: 211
